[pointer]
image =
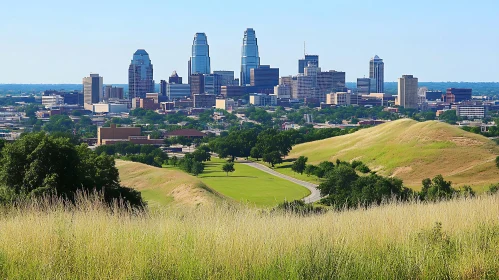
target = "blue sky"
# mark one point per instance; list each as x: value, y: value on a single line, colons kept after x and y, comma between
x: 57, y: 41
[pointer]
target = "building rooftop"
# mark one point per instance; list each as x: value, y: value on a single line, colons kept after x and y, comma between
x: 186, y: 133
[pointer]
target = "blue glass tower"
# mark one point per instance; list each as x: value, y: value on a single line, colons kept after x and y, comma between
x: 140, y: 75
x: 200, y: 60
x: 250, y: 58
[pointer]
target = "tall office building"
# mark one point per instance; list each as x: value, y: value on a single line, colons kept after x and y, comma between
x: 200, y: 60
x: 212, y: 84
x: 197, y: 84
x: 250, y: 58
x: 111, y: 92
x: 302, y: 63
x: 264, y: 78
x: 363, y: 86
x: 408, y: 92
x: 140, y: 75
x: 162, y: 87
x: 226, y: 78
x: 93, y: 89
x: 175, y: 78
x: 377, y: 72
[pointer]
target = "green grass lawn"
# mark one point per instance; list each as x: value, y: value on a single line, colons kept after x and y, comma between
x: 285, y: 168
x: 250, y: 185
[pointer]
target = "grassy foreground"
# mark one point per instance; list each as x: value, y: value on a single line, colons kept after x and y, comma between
x: 389, y: 242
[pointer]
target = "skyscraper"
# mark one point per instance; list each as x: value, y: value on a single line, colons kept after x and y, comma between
x: 250, y: 59
x: 302, y: 63
x: 200, y: 60
x: 140, y: 75
x: 377, y: 72
x: 263, y: 79
x: 175, y: 78
x: 408, y: 92
x: 93, y: 89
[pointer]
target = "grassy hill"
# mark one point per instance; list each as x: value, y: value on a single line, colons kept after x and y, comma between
x: 413, y: 151
x: 161, y: 186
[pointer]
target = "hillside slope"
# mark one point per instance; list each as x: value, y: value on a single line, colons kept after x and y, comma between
x: 413, y: 151
x: 161, y: 187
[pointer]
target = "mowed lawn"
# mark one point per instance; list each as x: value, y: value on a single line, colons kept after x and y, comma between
x: 250, y: 185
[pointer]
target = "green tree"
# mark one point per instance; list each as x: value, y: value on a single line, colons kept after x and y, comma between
x: 255, y: 153
x: 197, y: 168
x: 272, y: 158
x: 436, y: 189
x: 449, y: 116
x: 202, y: 154
x: 228, y: 167
x: 310, y: 169
x: 497, y: 162
x: 299, y: 165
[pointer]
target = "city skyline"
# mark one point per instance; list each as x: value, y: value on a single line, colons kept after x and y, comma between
x: 440, y: 49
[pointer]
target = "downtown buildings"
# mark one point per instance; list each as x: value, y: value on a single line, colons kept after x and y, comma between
x: 377, y: 73
x: 93, y: 89
x: 408, y: 92
x: 250, y: 58
x: 140, y: 75
x: 200, y: 59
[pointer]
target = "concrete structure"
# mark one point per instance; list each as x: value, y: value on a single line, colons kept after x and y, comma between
x: 197, y: 84
x: 204, y: 100
x: 232, y: 91
x: 304, y: 62
x: 377, y: 72
x: 472, y: 111
x: 154, y: 96
x: 364, y: 86
x: 330, y: 81
x: 52, y: 100
x: 225, y: 104
x: 148, y: 104
x: 92, y: 89
x: 283, y: 91
x: 264, y: 78
x: 140, y: 75
x: 178, y: 91
x: 338, y: 98
x: 200, y: 59
x: 302, y: 87
x: 113, y: 92
x: 188, y: 133
x: 408, y: 92
x: 107, y: 108
x: 250, y: 58
x: 456, y: 95
x: 263, y: 100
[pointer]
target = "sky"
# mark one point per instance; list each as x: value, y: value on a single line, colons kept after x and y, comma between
x: 56, y: 41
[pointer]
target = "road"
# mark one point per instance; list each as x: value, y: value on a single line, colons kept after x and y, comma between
x: 315, y: 194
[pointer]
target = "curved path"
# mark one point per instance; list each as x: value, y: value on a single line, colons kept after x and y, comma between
x: 315, y: 194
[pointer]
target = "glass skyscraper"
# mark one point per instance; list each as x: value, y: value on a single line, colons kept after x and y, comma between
x: 377, y: 72
x: 200, y: 60
x: 140, y: 75
x: 250, y: 58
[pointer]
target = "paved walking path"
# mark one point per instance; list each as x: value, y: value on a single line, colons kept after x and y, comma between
x: 315, y: 194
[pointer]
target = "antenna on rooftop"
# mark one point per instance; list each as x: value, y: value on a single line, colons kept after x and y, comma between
x: 304, y: 49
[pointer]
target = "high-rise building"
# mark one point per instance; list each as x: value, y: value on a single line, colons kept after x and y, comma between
x: 264, y: 79
x: 304, y: 62
x: 162, y: 87
x: 200, y: 60
x: 92, y: 89
x: 302, y: 87
x: 197, y: 84
x: 377, y: 72
x: 408, y: 92
x: 212, y: 84
x: 455, y: 95
x: 140, y: 75
x: 178, y: 91
x: 232, y: 91
x: 363, y: 86
x: 330, y: 81
x: 175, y: 78
x: 226, y: 78
x: 250, y: 58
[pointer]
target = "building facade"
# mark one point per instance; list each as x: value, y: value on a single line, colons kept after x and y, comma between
x: 377, y: 72
x: 140, y: 75
x: 364, y: 86
x: 304, y: 62
x: 232, y: 91
x: 175, y: 78
x: 264, y: 78
x: 113, y: 92
x: 92, y: 89
x: 471, y: 111
x: 226, y: 78
x: 197, y: 84
x: 212, y: 84
x: 204, y: 100
x: 250, y: 58
x: 200, y: 60
x: 263, y: 99
x: 178, y: 91
x: 456, y: 95
x: 408, y: 92
x: 339, y: 98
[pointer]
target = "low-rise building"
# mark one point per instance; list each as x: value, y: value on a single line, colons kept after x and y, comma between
x: 225, y: 104
x: 263, y: 99
x: 471, y: 111
x: 338, y: 98
x: 204, y: 100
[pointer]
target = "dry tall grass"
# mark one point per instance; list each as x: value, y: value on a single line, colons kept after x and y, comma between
x: 388, y: 242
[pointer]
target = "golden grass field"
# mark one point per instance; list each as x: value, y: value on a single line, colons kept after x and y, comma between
x: 413, y: 151
x: 394, y: 241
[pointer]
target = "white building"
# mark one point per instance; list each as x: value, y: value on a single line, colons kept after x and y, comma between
x: 471, y: 111
x: 408, y: 92
x: 111, y: 108
x: 263, y: 100
x: 283, y: 91
x: 52, y: 100
x: 339, y: 98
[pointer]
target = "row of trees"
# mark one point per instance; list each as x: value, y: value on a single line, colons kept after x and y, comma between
x: 39, y: 164
x: 146, y: 154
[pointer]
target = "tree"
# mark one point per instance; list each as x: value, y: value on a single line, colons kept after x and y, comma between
x: 363, y: 168
x: 436, y: 189
x: 228, y: 167
x: 272, y: 158
x: 39, y: 164
x: 310, y: 169
x: 299, y: 165
x: 173, y: 161
x: 202, y: 154
x: 197, y: 168
x: 449, y: 116
x: 497, y: 162
x: 255, y: 153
